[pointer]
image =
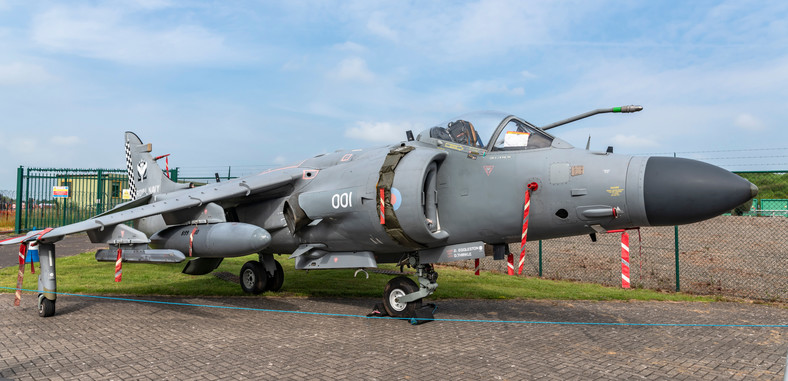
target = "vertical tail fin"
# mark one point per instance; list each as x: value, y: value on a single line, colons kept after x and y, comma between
x: 145, y: 175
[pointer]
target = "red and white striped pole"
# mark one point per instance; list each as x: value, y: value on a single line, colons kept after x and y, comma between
x: 526, y: 211
x: 510, y: 264
x: 21, y: 275
x: 476, y: 263
x: 118, y: 267
x: 524, y: 236
x: 625, y: 259
x: 166, y: 163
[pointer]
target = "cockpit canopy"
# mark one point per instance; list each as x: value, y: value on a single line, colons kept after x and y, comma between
x: 490, y: 130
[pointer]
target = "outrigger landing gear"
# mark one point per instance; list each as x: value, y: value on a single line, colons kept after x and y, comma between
x: 402, y: 297
x: 266, y: 274
x: 47, y: 285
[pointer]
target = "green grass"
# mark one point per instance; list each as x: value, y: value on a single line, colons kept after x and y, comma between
x: 82, y: 274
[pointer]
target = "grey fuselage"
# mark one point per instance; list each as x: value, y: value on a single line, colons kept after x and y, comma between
x: 449, y: 193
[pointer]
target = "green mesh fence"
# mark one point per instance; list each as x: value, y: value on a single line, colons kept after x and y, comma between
x: 743, y: 253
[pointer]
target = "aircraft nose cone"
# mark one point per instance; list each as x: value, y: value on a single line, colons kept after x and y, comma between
x: 681, y: 191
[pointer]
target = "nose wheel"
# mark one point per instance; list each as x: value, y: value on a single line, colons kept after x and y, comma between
x: 402, y: 297
x: 393, y: 294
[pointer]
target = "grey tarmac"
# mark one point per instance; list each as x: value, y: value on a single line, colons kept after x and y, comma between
x: 100, y: 339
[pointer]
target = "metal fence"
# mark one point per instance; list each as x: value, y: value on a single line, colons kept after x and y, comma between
x: 741, y: 254
x: 48, y: 197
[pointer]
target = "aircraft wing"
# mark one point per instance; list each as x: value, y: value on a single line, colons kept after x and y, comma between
x: 233, y: 191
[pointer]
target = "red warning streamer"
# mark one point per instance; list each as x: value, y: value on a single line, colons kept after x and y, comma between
x: 382, y: 206
x: 118, y: 267
x: 191, y: 241
x: 32, y: 264
x: 21, y: 275
x: 625, y: 260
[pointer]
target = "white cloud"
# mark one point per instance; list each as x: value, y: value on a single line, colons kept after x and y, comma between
x: 18, y: 73
x: 528, y: 75
x: 153, y: 4
x: 452, y: 31
x: 749, y: 122
x: 353, y: 69
x: 736, y: 22
x: 349, y: 46
x: 384, y: 132
x: 377, y: 26
x: 64, y: 140
x: 22, y: 146
x: 106, y: 33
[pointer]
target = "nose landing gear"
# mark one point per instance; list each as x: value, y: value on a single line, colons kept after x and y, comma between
x: 393, y: 294
x: 402, y: 297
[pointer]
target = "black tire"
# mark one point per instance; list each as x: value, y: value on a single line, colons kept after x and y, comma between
x: 398, y: 287
x: 275, y: 283
x: 46, y: 307
x: 254, y: 278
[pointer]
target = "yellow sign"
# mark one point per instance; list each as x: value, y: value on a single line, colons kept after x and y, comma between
x: 454, y: 146
x: 615, y: 191
x: 60, y: 191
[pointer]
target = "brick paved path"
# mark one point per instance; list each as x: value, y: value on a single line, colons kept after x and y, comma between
x: 107, y: 339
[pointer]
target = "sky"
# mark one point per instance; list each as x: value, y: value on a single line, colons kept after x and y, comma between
x: 250, y: 85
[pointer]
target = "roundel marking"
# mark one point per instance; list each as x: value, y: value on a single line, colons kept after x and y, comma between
x: 396, y: 198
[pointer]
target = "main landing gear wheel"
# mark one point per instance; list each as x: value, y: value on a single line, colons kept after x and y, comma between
x: 275, y: 283
x: 395, y: 289
x: 254, y: 278
x: 46, y: 307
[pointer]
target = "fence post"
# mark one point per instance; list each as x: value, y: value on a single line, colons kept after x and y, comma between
x: 20, y: 172
x: 540, y: 258
x: 27, y: 201
x: 66, y: 200
x: 676, y: 245
x: 100, y: 192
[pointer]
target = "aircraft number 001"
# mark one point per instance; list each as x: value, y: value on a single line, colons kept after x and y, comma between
x: 342, y: 200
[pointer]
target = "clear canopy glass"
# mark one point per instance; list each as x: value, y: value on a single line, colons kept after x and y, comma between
x: 491, y: 130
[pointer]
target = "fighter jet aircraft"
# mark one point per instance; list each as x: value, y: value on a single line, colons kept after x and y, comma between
x: 440, y: 197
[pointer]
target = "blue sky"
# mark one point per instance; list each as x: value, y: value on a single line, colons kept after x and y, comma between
x: 249, y: 84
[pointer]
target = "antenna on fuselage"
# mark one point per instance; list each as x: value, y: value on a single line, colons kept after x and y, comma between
x: 622, y: 109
